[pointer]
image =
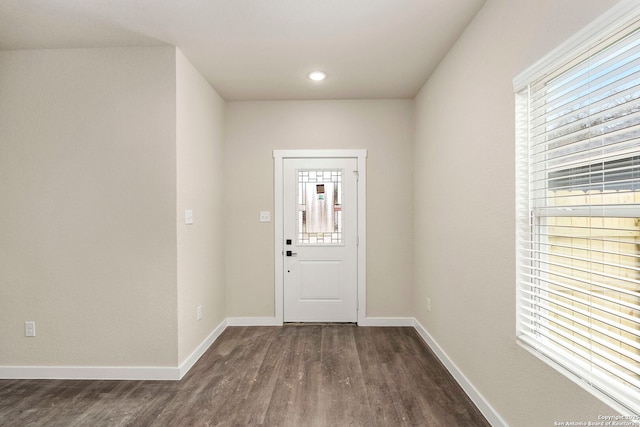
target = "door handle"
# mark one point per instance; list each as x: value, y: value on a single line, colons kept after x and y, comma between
x: 289, y: 253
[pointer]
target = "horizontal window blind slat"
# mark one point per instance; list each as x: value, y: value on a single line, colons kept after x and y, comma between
x: 615, y: 104
x: 594, y: 109
x: 631, y: 329
x: 587, y: 290
x: 545, y: 264
x: 610, y: 193
x: 561, y: 208
x: 588, y: 71
x: 539, y: 169
x: 580, y: 134
x: 589, y: 263
x: 559, y: 285
x: 554, y: 105
x: 622, y: 178
x: 635, y: 256
x: 615, y: 144
x: 631, y: 341
x: 593, y: 362
x: 581, y: 64
x: 579, y: 337
x: 614, y: 319
x: 586, y: 351
x: 625, y: 166
x: 613, y: 193
x: 588, y: 358
x: 578, y: 264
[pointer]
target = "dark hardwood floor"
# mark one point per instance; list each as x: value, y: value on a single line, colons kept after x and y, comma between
x: 311, y: 375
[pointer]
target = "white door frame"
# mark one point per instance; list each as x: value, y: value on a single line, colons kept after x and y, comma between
x: 278, y: 190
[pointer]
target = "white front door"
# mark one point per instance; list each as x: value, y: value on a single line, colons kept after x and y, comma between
x: 320, y: 258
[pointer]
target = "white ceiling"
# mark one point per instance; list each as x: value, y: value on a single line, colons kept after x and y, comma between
x: 261, y: 49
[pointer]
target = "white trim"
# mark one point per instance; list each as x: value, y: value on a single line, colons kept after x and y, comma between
x: 89, y: 373
x: 169, y: 373
x: 253, y: 321
x: 278, y: 223
x: 483, y: 405
x: 622, y: 13
x: 318, y: 154
x: 278, y: 193
x: 387, y: 321
x: 362, y: 236
x: 113, y: 372
x: 201, y: 349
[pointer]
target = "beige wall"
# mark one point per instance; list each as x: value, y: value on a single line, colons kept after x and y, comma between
x: 102, y: 150
x: 88, y: 207
x: 200, y: 186
x: 465, y: 212
x: 255, y: 129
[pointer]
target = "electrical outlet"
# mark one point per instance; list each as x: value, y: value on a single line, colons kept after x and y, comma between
x: 429, y: 305
x: 30, y: 328
x: 199, y: 312
x: 265, y: 216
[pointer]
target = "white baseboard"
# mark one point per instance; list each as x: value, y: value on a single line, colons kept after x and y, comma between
x: 89, y: 373
x: 176, y: 373
x: 112, y: 372
x: 483, y: 405
x: 387, y: 321
x: 201, y: 349
x: 253, y: 321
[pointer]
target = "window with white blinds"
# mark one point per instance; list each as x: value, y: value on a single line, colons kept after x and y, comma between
x: 578, y: 208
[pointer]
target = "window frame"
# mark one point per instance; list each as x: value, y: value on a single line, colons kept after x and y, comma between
x: 620, y: 16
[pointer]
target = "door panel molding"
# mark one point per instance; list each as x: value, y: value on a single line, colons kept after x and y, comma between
x: 279, y: 157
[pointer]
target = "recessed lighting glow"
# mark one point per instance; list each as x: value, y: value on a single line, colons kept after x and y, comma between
x: 317, y: 75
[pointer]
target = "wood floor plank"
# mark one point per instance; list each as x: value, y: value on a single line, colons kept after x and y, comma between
x: 258, y: 397
x: 342, y: 378
x: 374, y: 360
x: 285, y: 405
x: 295, y: 375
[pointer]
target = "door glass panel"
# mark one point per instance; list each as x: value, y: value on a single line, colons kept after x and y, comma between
x: 319, y: 218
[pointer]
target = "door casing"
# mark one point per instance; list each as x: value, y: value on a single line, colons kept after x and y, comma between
x: 279, y: 157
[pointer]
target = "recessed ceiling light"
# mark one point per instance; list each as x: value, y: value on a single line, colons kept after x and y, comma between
x: 317, y: 75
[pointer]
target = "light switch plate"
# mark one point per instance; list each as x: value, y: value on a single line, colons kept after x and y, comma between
x: 188, y: 217
x: 265, y: 216
x: 29, y: 328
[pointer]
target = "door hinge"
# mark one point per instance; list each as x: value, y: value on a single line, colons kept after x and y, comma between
x: 357, y: 240
x: 357, y: 175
